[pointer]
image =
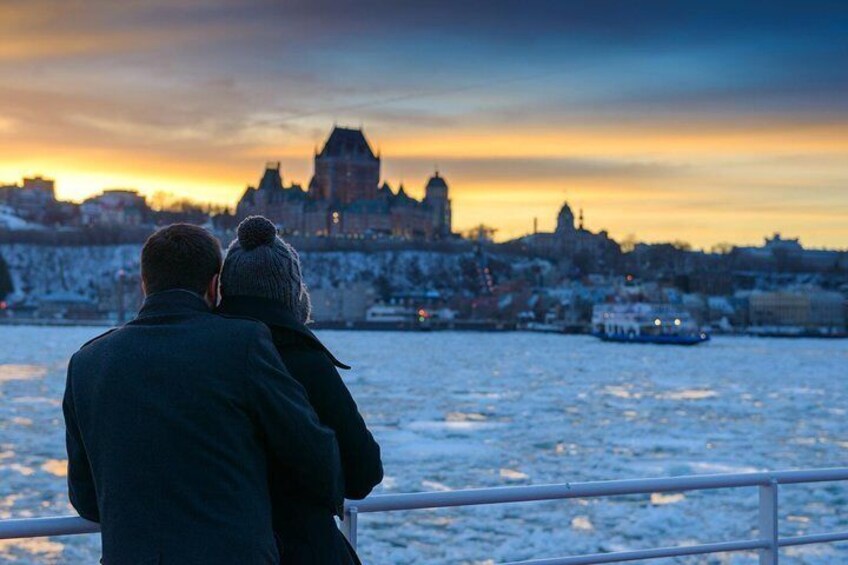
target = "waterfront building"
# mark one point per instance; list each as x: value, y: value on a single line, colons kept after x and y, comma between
x: 814, y: 309
x: 342, y: 303
x: 67, y: 305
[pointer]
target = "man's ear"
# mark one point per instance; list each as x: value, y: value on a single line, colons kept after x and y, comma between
x: 143, y: 289
x: 212, y: 292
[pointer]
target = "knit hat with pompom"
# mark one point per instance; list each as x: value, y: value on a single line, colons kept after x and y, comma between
x: 260, y: 264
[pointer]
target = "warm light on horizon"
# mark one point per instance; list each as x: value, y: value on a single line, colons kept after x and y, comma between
x: 620, y: 188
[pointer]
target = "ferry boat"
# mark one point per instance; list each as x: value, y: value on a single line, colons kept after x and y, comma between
x: 645, y: 323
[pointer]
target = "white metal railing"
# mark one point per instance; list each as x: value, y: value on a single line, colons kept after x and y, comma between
x: 767, y: 544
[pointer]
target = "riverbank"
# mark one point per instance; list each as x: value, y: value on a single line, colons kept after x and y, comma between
x: 431, y: 325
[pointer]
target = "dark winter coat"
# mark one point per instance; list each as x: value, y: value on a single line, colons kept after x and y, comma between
x: 307, y: 530
x: 174, y: 422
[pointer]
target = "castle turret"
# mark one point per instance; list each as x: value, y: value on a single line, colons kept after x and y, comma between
x: 272, y: 180
x: 436, y: 197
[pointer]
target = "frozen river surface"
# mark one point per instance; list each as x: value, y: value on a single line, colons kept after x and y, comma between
x: 456, y: 410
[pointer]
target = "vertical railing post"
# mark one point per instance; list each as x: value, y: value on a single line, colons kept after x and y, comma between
x: 768, y: 523
x: 349, y: 525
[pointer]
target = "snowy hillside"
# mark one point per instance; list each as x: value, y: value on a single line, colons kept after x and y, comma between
x: 10, y: 221
x: 39, y: 270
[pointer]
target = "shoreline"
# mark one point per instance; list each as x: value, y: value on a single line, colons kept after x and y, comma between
x: 484, y: 326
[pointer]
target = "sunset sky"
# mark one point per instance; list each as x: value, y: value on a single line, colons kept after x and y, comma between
x: 700, y: 121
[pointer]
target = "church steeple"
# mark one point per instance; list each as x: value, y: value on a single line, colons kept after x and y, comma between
x: 565, y: 220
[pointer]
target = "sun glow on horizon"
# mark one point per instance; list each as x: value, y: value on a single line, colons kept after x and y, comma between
x: 652, y: 186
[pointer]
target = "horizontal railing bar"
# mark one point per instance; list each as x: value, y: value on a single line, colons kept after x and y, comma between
x: 43, y: 527
x: 501, y: 495
x: 812, y: 538
x: 809, y: 475
x: 636, y: 555
x: 69, y: 525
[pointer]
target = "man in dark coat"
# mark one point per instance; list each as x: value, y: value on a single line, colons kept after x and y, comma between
x: 175, y: 420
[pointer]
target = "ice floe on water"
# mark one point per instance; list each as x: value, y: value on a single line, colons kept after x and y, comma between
x: 58, y: 467
x: 40, y: 550
x: 513, y: 475
x: 13, y: 372
x: 462, y: 410
x: 692, y: 394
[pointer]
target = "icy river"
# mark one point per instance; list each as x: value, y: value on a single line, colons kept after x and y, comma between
x: 460, y: 410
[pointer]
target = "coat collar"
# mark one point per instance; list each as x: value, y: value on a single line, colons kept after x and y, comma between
x: 176, y: 301
x: 274, y: 314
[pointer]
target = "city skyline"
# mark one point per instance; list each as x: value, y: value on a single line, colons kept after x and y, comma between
x: 718, y: 124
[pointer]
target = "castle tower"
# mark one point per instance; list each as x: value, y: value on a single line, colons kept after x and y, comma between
x: 346, y: 169
x: 436, y: 197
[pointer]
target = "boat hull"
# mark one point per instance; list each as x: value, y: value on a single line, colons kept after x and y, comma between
x: 658, y: 339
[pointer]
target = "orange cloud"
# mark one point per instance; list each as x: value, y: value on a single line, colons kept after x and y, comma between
x: 728, y: 186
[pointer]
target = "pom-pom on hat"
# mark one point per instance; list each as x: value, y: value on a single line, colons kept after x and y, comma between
x: 255, y: 231
x: 259, y: 263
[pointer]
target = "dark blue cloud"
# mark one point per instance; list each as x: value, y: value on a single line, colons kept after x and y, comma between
x: 440, y: 63
x: 710, y: 57
x: 393, y: 42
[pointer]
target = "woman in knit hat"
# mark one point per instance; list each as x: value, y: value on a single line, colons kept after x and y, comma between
x: 261, y: 279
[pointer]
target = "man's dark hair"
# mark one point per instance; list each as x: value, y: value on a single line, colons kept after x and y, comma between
x: 180, y: 256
